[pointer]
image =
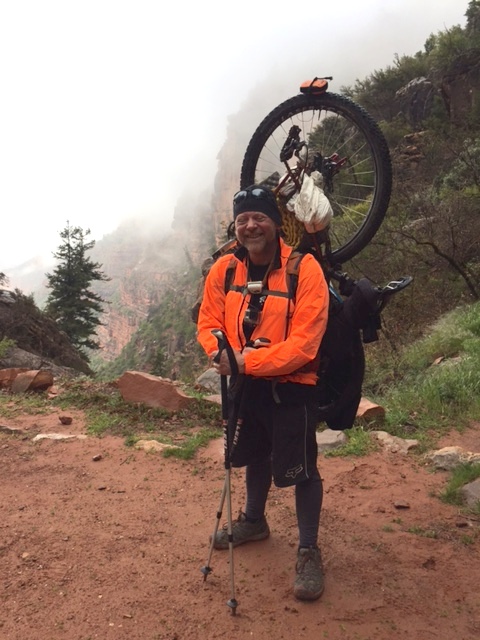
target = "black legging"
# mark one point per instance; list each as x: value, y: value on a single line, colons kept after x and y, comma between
x: 308, y: 499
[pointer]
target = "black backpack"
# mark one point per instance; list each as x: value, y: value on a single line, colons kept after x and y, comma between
x: 353, y: 320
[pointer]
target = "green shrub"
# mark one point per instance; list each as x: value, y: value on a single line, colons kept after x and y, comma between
x: 437, y: 383
x: 5, y: 345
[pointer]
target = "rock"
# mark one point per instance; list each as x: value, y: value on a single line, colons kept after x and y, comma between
x: 415, y: 100
x: 35, y: 380
x: 65, y: 419
x: 13, y: 431
x: 401, y: 504
x: 330, y: 439
x: 58, y: 436
x: 153, y: 445
x: 393, y: 443
x: 7, y: 297
x: 449, y: 458
x: 209, y: 380
x: 471, y: 493
x: 370, y: 411
x: 7, y: 376
x: 152, y: 391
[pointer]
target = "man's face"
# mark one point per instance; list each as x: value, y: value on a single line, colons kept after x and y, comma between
x: 256, y: 232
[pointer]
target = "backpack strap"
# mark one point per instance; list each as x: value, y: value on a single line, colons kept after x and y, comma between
x: 293, y: 269
x: 229, y: 276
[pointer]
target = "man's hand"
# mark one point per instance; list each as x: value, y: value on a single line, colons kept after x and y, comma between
x: 223, y: 366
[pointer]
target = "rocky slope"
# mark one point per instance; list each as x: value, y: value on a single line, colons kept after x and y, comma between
x: 38, y: 341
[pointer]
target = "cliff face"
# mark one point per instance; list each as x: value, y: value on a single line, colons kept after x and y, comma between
x: 123, y: 315
x: 145, y: 263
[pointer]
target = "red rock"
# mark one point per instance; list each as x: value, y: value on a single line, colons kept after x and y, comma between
x: 153, y: 391
x: 7, y: 376
x: 35, y: 380
x: 370, y: 411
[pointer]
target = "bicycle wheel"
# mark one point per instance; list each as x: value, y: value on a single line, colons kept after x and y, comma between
x: 346, y: 145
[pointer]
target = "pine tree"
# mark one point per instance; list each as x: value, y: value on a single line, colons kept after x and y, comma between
x: 71, y: 302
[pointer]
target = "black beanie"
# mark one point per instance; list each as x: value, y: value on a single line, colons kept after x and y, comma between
x: 256, y: 198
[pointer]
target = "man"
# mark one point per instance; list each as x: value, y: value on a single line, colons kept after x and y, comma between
x: 247, y: 297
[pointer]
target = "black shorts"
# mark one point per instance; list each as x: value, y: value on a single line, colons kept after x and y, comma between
x: 278, y: 420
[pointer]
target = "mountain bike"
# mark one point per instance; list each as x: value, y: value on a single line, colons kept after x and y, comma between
x: 321, y: 131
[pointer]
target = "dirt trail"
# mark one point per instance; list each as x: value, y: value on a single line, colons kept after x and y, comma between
x: 112, y: 548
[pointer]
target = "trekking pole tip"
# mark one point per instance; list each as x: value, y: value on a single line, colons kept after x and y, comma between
x: 232, y: 603
x: 206, y: 572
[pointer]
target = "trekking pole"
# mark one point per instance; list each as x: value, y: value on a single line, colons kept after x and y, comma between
x: 206, y: 570
x: 226, y: 492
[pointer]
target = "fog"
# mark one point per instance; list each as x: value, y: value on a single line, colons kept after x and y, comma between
x: 110, y: 108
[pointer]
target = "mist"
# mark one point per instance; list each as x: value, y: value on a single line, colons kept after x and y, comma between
x: 112, y: 111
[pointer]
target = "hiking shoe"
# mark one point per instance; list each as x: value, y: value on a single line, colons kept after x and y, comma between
x: 243, y: 531
x: 309, y: 583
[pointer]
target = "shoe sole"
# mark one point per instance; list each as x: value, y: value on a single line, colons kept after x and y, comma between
x: 259, y: 536
x: 302, y: 594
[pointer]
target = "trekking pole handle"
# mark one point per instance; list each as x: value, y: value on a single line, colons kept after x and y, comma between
x: 223, y: 343
x: 220, y: 336
x: 259, y: 342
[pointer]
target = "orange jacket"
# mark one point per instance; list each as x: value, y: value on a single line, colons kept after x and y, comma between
x: 308, y: 313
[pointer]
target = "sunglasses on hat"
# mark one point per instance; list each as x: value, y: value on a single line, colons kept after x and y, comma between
x: 240, y: 196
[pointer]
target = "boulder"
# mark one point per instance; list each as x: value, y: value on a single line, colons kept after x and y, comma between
x: 209, y: 380
x: 415, y: 100
x: 136, y: 386
x: 36, y: 380
x: 27, y: 361
x: 7, y: 376
x: 471, y: 493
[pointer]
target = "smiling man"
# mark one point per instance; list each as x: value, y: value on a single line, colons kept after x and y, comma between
x: 249, y: 299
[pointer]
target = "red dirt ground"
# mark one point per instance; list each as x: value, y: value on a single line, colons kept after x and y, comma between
x: 112, y: 548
